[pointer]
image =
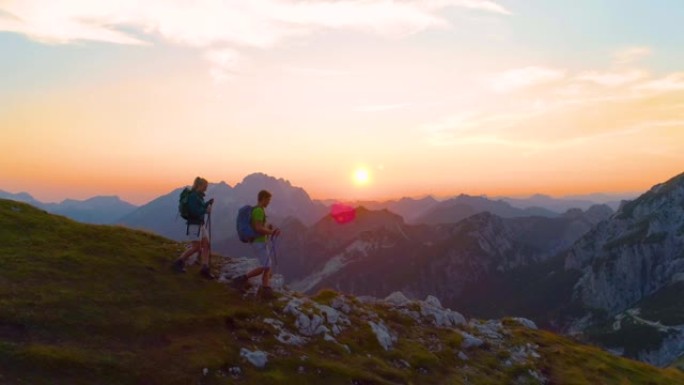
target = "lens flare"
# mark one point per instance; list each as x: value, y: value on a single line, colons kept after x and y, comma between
x: 342, y: 213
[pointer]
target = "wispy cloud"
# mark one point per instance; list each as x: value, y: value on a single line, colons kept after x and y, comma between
x: 631, y: 54
x: 546, y: 108
x: 59, y: 22
x: 225, y: 64
x: 254, y: 23
x: 671, y: 82
x: 519, y: 78
x: 224, y: 29
x: 614, y: 78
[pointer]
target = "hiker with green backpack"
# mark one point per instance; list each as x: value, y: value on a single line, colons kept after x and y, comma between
x: 252, y: 228
x: 193, y: 209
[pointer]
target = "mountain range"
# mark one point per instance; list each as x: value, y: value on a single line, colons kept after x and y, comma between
x: 294, y: 202
x: 569, y: 202
x: 96, y: 210
x: 612, y: 278
x: 615, y: 279
x: 84, y: 304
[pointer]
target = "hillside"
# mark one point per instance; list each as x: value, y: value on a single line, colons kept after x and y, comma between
x: 96, y: 210
x: 450, y: 261
x: 631, y: 269
x: 86, y: 304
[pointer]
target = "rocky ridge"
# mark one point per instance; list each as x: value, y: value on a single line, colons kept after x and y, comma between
x: 625, y: 263
x: 393, y: 323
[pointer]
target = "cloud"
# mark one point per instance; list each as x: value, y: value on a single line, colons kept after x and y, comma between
x: 548, y: 108
x: 520, y: 78
x: 671, y: 82
x: 54, y: 22
x: 487, y: 6
x: 631, y: 54
x: 612, y: 79
x: 225, y: 64
x: 224, y: 29
x: 202, y: 23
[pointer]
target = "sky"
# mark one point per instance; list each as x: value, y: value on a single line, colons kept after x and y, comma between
x: 349, y: 99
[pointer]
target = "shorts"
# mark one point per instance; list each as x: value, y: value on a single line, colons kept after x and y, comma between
x: 262, y: 251
x: 195, y: 235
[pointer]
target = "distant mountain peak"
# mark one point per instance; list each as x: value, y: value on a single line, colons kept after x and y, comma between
x: 540, y: 196
x: 260, y: 177
x: 21, y: 196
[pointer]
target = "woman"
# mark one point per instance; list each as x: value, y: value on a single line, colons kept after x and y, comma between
x: 197, y: 229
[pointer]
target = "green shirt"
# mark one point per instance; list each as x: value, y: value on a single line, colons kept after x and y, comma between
x: 259, y: 215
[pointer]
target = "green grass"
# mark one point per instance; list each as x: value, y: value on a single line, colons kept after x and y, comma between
x: 84, y: 304
x: 90, y: 302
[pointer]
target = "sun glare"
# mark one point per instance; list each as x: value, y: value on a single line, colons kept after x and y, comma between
x: 361, y: 177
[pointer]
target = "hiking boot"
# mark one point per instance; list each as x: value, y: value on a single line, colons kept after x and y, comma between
x: 266, y: 292
x: 179, y: 266
x: 206, y: 273
x: 240, y: 282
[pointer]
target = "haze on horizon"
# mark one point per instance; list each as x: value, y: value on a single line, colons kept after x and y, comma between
x: 347, y: 99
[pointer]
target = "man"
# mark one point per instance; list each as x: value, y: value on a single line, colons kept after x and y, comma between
x: 261, y: 246
x: 197, y: 229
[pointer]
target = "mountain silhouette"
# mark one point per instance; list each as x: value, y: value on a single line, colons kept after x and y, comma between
x: 161, y: 215
x: 96, y: 210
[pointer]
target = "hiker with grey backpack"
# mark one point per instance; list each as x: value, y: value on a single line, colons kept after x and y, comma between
x: 253, y: 228
x: 194, y: 209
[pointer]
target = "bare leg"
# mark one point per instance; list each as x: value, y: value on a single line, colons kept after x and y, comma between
x: 266, y: 277
x: 255, y: 272
x: 190, y: 251
x: 204, y: 255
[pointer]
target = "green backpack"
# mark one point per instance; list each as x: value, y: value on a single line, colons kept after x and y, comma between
x: 183, y: 207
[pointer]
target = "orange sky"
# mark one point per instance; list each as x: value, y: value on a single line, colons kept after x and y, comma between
x: 438, y: 98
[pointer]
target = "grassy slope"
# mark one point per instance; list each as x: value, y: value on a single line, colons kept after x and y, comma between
x: 83, y: 304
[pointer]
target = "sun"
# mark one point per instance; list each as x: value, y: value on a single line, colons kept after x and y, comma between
x: 361, y: 176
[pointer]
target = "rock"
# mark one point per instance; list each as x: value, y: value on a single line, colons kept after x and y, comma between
x: 331, y: 315
x: 490, y: 329
x: 234, y: 267
x: 537, y: 376
x: 397, y: 299
x: 235, y: 371
x: 256, y: 358
x: 432, y: 309
x: 462, y: 356
x: 383, y: 335
x: 312, y: 319
x: 329, y: 338
x: 288, y: 338
x: 526, y: 323
x: 274, y: 322
x: 434, y: 301
x: 470, y: 341
x: 339, y: 303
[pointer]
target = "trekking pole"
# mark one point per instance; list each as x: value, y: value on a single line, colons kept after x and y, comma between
x: 274, y: 253
x: 209, y: 231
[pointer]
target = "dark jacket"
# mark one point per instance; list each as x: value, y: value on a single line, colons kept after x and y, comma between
x: 197, y: 207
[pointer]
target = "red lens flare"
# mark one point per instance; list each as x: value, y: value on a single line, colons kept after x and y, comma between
x: 342, y: 213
